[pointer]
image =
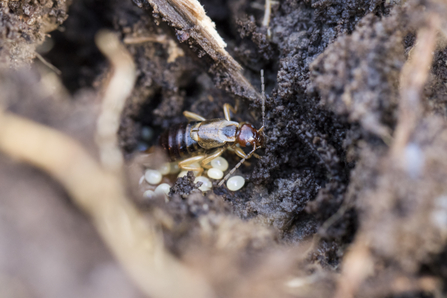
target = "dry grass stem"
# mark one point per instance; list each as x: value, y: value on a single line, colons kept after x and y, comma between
x: 144, y: 39
x: 267, y: 12
x: 48, y: 64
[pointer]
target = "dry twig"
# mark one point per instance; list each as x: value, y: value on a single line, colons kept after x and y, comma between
x: 191, y: 21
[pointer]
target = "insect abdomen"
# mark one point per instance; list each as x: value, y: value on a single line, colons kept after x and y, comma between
x: 177, y: 142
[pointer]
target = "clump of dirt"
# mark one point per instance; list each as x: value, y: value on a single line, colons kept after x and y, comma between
x: 436, y: 89
x: 398, y: 211
x: 357, y: 76
x: 23, y: 25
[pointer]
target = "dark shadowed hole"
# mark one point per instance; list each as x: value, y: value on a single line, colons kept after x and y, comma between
x: 74, y: 52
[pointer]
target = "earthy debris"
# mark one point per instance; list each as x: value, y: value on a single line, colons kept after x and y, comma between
x: 348, y: 198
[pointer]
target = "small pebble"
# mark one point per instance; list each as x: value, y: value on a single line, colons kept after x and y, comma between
x: 206, y: 183
x: 153, y: 177
x: 164, y: 169
x: 163, y: 188
x: 214, y: 173
x: 235, y: 183
x: 149, y: 194
x: 220, y: 163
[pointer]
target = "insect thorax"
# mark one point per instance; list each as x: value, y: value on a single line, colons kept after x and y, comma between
x: 214, y: 133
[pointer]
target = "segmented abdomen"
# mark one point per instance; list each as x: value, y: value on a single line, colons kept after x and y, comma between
x: 177, y: 142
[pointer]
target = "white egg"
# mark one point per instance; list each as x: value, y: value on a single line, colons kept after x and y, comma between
x: 174, y: 168
x: 164, y: 169
x: 206, y: 183
x: 153, y: 176
x: 214, y: 173
x: 220, y: 163
x: 235, y: 183
x: 182, y: 173
x: 163, y: 188
x: 149, y: 194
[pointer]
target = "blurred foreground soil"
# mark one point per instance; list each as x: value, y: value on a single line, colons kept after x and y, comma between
x: 348, y: 199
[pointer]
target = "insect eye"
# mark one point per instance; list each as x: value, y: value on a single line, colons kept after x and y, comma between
x: 247, y: 144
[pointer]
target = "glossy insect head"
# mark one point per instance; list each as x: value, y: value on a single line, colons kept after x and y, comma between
x: 248, y: 136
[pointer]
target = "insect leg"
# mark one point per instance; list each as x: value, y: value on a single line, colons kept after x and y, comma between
x: 237, y: 166
x: 241, y: 153
x: 227, y: 108
x: 193, y: 116
x: 186, y: 164
x: 212, y: 156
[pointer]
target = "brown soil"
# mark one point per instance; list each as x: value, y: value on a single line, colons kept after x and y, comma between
x: 335, y: 204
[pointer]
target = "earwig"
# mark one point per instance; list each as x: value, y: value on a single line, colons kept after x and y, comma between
x: 201, y: 140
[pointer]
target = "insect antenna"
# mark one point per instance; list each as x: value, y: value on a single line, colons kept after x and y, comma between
x: 263, y: 98
x: 259, y: 130
x: 237, y: 166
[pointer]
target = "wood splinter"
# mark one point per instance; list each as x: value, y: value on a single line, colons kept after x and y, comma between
x: 189, y: 18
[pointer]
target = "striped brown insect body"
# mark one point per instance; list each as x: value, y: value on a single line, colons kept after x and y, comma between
x: 177, y: 142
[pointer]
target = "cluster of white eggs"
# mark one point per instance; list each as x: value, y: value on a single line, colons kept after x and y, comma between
x: 218, y: 166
